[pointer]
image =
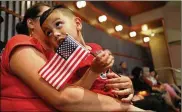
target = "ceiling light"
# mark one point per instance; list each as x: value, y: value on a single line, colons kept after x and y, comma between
x: 144, y: 27
x: 132, y: 34
x: 146, y: 39
x: 118, y: 28
x: 80, y: 4
x: 152, y: 34
x: 102, y: 18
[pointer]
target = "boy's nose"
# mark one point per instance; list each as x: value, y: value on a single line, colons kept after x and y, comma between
x: 57, y: 35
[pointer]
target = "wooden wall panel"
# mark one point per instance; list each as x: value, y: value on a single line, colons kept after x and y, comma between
x: 161, y: 58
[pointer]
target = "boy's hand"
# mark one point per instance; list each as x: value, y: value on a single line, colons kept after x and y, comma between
x: 122, y: 86
x: 102, y: 62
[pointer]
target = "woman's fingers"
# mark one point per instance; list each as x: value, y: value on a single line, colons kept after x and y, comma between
x: 112, y: 75
x: 114, y: 78
x: 123, y: 92
x: 128, y: 99
x: 119, y: 85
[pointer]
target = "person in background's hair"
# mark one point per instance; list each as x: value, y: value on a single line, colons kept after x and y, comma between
x: 23, y: 89
x: 138, y: 83
x: 123, y: 70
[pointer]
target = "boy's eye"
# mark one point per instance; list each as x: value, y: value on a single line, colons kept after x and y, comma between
x: 59, y: 24
x: 48, y: 33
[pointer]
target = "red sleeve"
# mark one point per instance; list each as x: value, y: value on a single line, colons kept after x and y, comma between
x: 95, y: 47
x: 13, y: 43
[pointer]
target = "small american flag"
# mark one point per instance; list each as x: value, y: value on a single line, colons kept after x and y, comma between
x: 64, y: 63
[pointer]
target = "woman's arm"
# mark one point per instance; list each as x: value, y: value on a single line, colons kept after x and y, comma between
x: 25, y: 62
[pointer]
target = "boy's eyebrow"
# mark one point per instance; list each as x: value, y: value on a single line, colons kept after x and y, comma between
x: 55, y: 20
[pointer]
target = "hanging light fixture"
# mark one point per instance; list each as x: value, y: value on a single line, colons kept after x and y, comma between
x: 132, y: 34
x: 102, y: 18
x: 119, y: 28
x: 80, y: 4
x: 146, y: 39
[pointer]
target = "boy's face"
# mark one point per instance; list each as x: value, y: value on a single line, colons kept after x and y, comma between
x: 58, y: 25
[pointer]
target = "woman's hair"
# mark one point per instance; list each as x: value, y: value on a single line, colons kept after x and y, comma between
x: 136, y: 72
x: 31, y: 13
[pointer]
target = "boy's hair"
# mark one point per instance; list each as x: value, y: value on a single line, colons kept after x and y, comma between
x: 65, y: 11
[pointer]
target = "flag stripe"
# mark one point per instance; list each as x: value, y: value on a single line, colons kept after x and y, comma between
x: 68, y: 69
x: 65, y: 65
x: 53, y: 64
x: 57, y: 71
x: 69, y: 73
x: 56, y: 68
x: 68, y: 65
x: 47, y: 65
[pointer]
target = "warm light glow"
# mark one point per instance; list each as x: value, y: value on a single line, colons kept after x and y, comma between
x: 102, y: 18
x: 80, y: 4
x: 146, y: 39
x: 143, y: 93
x: 132, y: 34
x: 144, y: 27
x: 119, y: 28
x: 152, y: 34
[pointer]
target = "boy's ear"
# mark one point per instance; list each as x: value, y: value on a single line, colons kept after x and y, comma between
x: 78, y: 23
x: 30, y: 23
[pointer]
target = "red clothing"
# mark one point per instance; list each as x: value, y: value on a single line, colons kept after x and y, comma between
x: 15, y: 95
x: 99, y: 84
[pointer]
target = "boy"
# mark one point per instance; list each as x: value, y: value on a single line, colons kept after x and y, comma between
x: 59, y: 21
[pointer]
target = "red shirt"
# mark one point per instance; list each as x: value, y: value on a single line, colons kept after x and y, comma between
x: 15, y: 95
x: 99, y: 84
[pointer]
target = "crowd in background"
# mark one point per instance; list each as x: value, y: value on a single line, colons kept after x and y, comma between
x: 150, y: 92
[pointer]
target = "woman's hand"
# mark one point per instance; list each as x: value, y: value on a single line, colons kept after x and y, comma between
x: 122, y: 86
x: 102, y: 62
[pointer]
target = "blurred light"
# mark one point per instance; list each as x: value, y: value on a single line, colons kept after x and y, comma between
x: 80, y: 4
x: 119, y: 28
x: 146, y: 39
x: 144, y: 27
x: 28, y: 4
x: 143, y: 93
x: 152, y: 34
x: 102, y: 18
x: 132, y: 34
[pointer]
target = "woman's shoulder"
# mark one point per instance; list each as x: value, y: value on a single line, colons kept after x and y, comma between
x: 15, y: 42
x: 20, y: 39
